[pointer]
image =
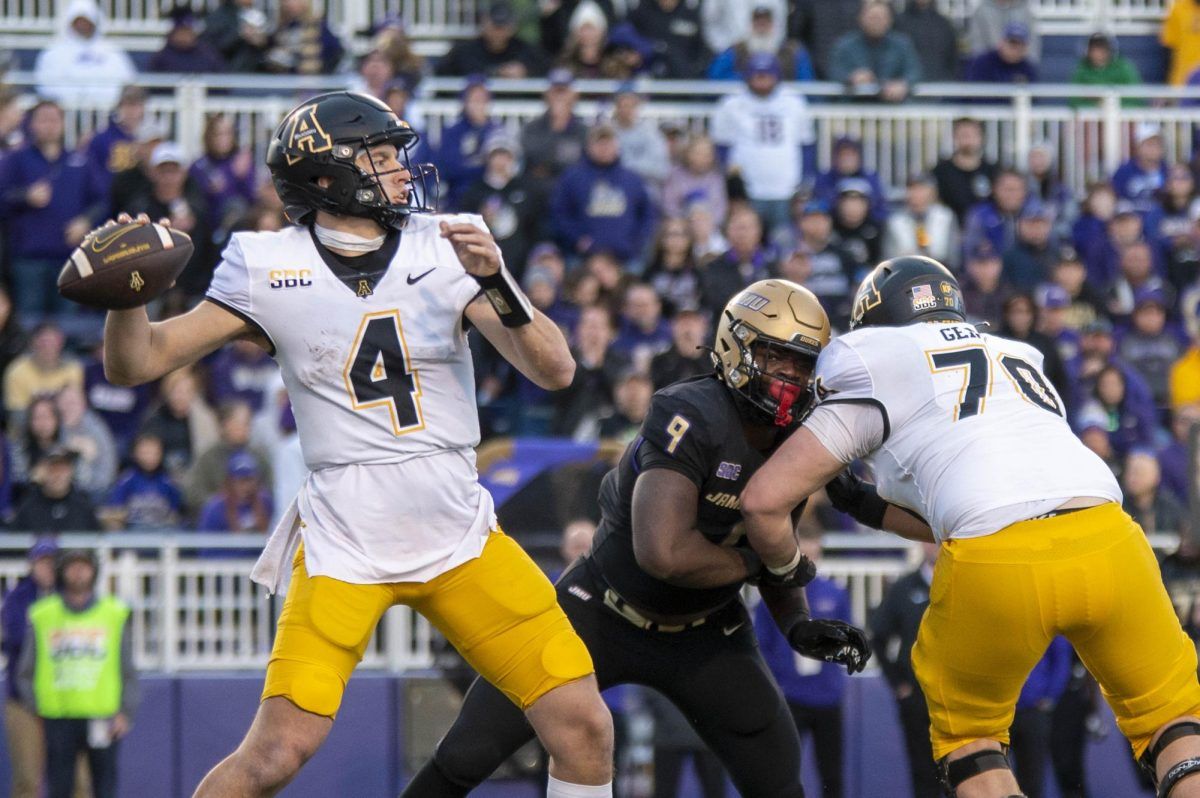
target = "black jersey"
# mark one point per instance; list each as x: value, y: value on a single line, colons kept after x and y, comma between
x: 692, y: 427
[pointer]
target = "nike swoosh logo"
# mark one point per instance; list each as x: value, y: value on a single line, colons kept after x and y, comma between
x: 728, y: 630
x: 100, y: 243
x: 414, y: 280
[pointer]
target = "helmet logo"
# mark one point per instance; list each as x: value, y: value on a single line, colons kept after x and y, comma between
x: 868, y: 297
x: 752, y: 301
x: 305, y: 134
x: 923, y: 298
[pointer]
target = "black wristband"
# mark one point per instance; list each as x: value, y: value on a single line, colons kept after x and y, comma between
x: 509, y: 302
x: 754, y: 564
x: 871, y: 507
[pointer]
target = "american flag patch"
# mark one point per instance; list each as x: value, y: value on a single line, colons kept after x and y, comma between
x: 729, y: 470
x: 922, y: 297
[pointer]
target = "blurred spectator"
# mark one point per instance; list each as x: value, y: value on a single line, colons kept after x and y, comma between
x: 833, y: 269
x: 184, y: 51
x: 40, y: 431
x: 208, y: 470
x: 819, y: 24
x: 875, y: 61
x: 48, y: 206
x: 765, y: 35
x: 242, y: 505
x: 643, y: 146
x: 893, y: 626
x: 1181, y: 35
x: 242, y: 371
x: 302, y: 43
x: 643, y: 332
x: 1035, y: 707
x: 558, y: 18
x: 1174, y: 459
x: 391, y: 40
x: 584, y: 53
x: 554, y: 140
x: 145, y: 497
x: 965, y: 178
x: 1082, y: 301
x: 765, y: 135
x: 173, y: 196
x: 239, y: 31
x: 374, y: 74
x: 398, y: 95
x: 81, y: 65
x: 86, y: 700
x: 1030, y: 260
x: 122, y: 408
x: 697, y: 179
x: 182, y: 420
x: 598, y: 204
x: 14, y: 341
x: 1047, y: 187
x: 1102, y: 65
x: 629, y: 54
x: 12, y: 116
x: 1007, y: 62
x: 857, y: 233
x: 672, y: 269
x: 1156, y: 511
x: 725, y: 23
x: 1089, y: 233
x: 114, y: 149
x: 1019, y: 323
x: 1141, y: 177
x: 497, y: 51
x: 933, y: 36
x: 1150, y: 345
x: 1097, y: 350
x: 983, y: 292
x: 597, y: 368
x: 687, y: 356
x: 53, y: 504
x: 814, y: 690
x: 707, y: 239
x: 923, y: 226
x: 1053, y: 306
x: 23, y: 728
x: 631, y: 402
x: 44, y: 369
x: 995, y: 221
x: 510, y: 206
x: 674, y: 28
x: 989, y: 19
x: 460, y: 156
x: 224, y: 173
x: 85, y: 434
x: 1111, y: 410
x: 128, y: 183
x: 746, y: 261
x: 848, y: 163
x: 1136, y: 277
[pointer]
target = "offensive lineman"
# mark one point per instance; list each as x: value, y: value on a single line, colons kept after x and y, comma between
x: 963, y: 428
x: 657, y: 597
x: 363, y: 307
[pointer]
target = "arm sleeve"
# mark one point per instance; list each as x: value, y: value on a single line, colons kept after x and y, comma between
x: 131, y: 688
x: 674, y: 437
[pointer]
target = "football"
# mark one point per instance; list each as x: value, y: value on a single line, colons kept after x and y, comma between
x: 124, y: 266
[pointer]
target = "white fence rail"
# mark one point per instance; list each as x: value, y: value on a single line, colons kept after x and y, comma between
x: 202, y: 612
x: 449, y: 19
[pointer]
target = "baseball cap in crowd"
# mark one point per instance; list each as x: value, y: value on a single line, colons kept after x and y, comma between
x: 602, y: 130
x: 501, y: 13
x: 1146, y: 130
x: 1145, y: 296
x: 847, y: 141
x: 560, y: 78
x: 814, y: 206
x: 1053, y: 296
x: 242, y: 464
x: 921, y: 179
x: 538, y: 275
x: 167, y: 152
x: 43, y: 547
x: 58, y: 454
x: 1098, y: 326
x: 983, y: 251
x: 1035, y: 209
x: 1017, y: 32
x: 853, y: 186
x: 1125, y: 208
x: 1100, y: 40
x: 474, y: 80
x: 1068, y: 254
x: 762, y: 63
x: 544, y: 250
x: 501, y: 140
x: 626, y: 87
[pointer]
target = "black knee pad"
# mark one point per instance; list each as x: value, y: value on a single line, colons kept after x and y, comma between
x: 1179, y: 771
x: 954, y: 773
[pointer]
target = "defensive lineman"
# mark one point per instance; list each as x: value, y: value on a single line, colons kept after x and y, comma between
x: 963, y: 428
x: 363, y: 307
x: 657, y: 598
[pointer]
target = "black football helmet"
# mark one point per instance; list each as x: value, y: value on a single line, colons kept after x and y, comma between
x: 323, y: 138
x: 905, y: 290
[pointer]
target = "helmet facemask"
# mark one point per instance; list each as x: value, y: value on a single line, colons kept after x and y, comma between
x: 370, y: 198
x: 784, y: 399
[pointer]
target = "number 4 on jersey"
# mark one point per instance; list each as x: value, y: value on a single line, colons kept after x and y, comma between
x: 377, y: 373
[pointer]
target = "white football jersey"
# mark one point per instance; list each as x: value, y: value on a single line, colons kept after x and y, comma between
x: 764, y: 136
x: 383, y: 391
x: 974, y: 437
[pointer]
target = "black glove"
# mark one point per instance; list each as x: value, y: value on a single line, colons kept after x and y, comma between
x: 859, y: 500
x: 804, y: 572
x: 831, y: 641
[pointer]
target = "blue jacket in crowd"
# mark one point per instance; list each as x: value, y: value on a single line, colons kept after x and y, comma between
x: 989, y: 67
x: 110, y: 151
x: 460, y: 158
x: 814, y: 683
x: 1132, y: 182
x: 38, y: 232
x: 829, y: 184
x: 607, y: 204
x: 13, y: 622
x: 1049, y: 677
x: 151, y: 499
x: 986, y: 224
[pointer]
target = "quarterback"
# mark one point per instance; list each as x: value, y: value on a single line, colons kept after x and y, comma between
x: 365, y: 304
x: 963, y: 429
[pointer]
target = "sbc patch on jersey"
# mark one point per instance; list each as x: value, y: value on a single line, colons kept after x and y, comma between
x: 729, y: 470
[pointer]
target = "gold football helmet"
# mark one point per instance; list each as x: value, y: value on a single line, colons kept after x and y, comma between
x: 768, y: 339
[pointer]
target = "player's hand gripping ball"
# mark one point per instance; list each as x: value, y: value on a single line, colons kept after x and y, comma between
x: 124, y: 264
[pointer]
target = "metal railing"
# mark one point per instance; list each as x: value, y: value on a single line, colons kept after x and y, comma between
x: 453, y: 19
x: 200, y: 611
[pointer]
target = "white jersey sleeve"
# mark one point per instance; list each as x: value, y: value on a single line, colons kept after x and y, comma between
x: 230, y: 284
x: 848, y: 420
